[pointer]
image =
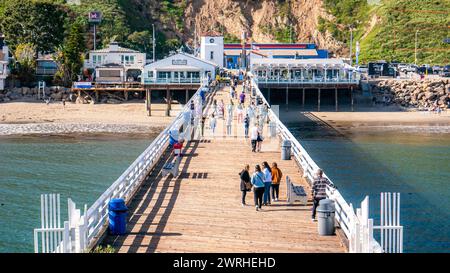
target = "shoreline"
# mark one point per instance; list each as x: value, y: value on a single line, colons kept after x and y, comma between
x: 373, y: 121
x: 19, y: 119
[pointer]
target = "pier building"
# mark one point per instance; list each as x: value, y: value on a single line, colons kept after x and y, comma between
x: 115, y: 64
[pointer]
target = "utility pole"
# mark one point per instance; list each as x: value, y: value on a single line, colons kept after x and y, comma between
x: 351, y: 43
x: 154, y: 42
x: 415, y: 48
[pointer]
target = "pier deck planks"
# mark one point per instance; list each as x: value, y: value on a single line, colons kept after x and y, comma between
x: 200, y: 211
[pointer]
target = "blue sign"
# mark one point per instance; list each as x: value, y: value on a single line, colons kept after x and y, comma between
x: 447, y: 40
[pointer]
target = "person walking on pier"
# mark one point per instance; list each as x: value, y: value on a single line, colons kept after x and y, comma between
x: 240, y: 113
x: 242, y: 97
x: 246, y: 125
x: 318, y: 191
x: 203, y: 124
x: 258, y: 187
x: 259, y: 139
x: 229, y: 122
x: 246, y: 185
x: 254, y: 136
x: 212, y: 124
x: 221, y: 109
x: 276, y: 178
x: 267, y: 183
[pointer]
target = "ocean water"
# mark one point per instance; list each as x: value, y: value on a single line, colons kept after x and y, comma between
x: 416, y: 165
x: 77, y: 168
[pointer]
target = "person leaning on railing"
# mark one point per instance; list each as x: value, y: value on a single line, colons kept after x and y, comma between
x: 319, y: 191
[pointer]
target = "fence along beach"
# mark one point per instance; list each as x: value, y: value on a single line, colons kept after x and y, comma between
x: 199, y: 210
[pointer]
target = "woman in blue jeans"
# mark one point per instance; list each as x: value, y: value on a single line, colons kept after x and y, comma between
x: 258, y: 186
x: 267, y: 183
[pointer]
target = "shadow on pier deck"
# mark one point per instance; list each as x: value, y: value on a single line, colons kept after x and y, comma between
x: 200, y: 210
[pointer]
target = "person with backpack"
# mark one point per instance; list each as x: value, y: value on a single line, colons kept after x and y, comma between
x: 246, y: 185
x: 257, y: 181
x: 267, y: 183
x: 276, y: 179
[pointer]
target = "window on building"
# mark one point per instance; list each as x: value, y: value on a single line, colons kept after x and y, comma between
x: 211, y: 55
x: 122, y: 59
x: 163, y: 74
x: 132, y: 59
x: 150, y: 74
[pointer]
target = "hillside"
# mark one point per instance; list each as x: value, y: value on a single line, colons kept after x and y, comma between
x: 385, y: 28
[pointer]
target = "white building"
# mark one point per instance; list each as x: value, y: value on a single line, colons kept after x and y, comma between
x: 4, y: 59
x: 179, y: 68
x: 115, y: 63
x: 211, y: 49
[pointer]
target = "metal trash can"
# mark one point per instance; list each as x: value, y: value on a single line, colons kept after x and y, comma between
x: 117, y: 216
x: 272, y: 129
x: 326, y: 212
x: 286, y: 150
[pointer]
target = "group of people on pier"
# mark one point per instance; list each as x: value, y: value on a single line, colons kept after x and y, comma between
x: 265, y: 184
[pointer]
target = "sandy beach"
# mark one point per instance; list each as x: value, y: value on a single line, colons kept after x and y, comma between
x: 30, y: 118
x: 375, y: 120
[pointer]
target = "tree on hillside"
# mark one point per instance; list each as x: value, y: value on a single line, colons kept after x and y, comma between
x: 40, y: 23
x: 141, y: 40
x: 24, y: 67
x: 70, y: 56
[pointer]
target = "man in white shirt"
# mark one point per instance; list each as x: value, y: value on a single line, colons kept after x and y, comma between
x: 254, y: 131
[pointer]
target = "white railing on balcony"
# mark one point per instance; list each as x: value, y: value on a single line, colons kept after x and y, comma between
x: 357, y: 227
x: 307, y: 80
x: 171, y: 80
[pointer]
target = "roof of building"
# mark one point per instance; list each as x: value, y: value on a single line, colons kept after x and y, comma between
x: 271, y: 46
x: 114, y: 48
x: 186, y: 55
x: 275, y: 52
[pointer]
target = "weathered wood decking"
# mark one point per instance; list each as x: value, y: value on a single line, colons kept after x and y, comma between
x: 200, y: 211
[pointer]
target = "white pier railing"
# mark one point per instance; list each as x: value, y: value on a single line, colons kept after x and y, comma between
x: 356, y: 226
x: 81, y: 232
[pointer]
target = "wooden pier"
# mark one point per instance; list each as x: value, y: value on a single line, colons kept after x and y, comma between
x: 200, y: 210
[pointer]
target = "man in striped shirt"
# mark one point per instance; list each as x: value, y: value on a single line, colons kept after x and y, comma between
x: 318, y: 191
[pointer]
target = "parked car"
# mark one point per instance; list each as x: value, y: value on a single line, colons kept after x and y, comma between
x: 437, y: 69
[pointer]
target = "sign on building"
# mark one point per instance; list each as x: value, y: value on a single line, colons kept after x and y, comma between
x: 179, y: 62
x: 95, y: 17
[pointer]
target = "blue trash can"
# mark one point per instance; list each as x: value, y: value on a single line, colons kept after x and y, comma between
x: 117, y: 216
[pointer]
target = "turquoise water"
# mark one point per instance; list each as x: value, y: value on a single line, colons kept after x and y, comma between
x: 81, y: 169
x: 416, y: 165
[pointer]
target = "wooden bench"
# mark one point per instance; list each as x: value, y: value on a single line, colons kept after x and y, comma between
x: 295, y: 193
x: 172, y: 167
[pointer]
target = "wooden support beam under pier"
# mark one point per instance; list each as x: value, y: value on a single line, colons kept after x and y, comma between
x: 303, y: 98
x: 318, y: 100
x: 336, y: 98
x: 351, y: 95
x: 148, y: 101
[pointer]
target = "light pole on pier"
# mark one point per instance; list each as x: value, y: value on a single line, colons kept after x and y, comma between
x: 415, y: 48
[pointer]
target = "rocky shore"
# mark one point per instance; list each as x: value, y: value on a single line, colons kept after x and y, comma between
x: 420, y: 94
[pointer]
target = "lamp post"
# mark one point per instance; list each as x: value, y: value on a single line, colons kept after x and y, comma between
x: 415, y: 48
x: 154, y: 42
